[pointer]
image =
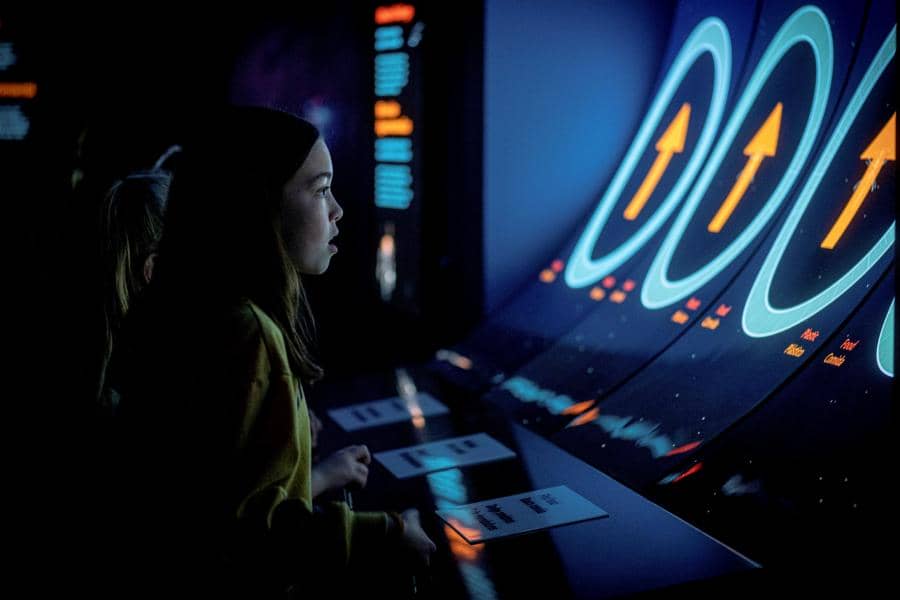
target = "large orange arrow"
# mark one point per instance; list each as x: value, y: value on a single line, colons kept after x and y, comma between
x: 882, y: 149
x: 763, y: 144
x: 671, y: 142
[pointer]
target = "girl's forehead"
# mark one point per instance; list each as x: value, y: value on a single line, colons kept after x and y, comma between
x: 317, y: 163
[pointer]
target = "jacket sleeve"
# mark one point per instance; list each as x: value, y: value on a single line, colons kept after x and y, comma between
x: 272, y: 476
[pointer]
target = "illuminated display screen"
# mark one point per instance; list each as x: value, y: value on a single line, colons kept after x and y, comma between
x: 398, y: 166
x: 613, y: 278
x: 752, y: 215
x: 683, y: 390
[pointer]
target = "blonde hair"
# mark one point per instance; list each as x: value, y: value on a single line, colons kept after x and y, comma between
x: 131, y: 222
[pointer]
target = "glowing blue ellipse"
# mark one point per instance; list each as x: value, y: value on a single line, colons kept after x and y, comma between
x: 711, y: 36
x: 885, y: 350
x: 807, y: 24
x: 760, y: 318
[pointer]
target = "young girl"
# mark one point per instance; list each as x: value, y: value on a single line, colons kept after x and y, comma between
x: 216, y: 434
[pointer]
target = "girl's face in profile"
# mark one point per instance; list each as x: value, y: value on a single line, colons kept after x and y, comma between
x: 310, y: 213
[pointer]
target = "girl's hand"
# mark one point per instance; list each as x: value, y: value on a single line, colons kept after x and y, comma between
x: 414, y: 537
x: 346, y: 466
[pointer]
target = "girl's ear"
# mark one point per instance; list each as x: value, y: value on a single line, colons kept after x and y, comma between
x: 148, y: 267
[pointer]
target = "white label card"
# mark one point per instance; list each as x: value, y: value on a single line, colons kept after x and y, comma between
x: 445, y: 454
x: 382, y: 412
x: 520, y: 513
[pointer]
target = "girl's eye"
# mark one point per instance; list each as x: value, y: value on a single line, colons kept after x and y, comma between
x: 323, y: 191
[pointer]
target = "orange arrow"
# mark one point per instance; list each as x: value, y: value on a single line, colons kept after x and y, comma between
x: 762, y: 145
x: 671, y: 142
x: 882, y: 149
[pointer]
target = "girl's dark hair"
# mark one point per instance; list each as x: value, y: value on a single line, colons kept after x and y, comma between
x: 131, y: 222
x: 223, y: 235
